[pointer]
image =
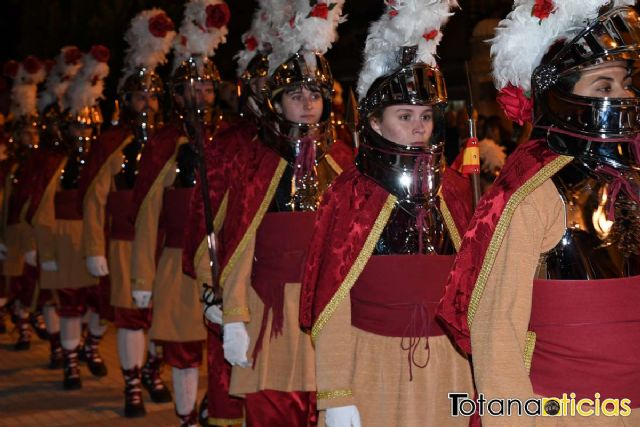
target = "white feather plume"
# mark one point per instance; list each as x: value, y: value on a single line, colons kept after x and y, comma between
x: 145, y: 49
x: 59, y: 78
x: 262, y: 31
x: 195, y: 38
x: 522, y: 40
x: 303, y: 29
x: 404, y: 23
x: 24, y: 91
x: 87, y: 86
x: 492, y: 155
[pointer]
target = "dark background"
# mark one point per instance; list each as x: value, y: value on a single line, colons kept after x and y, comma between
x: 41, y: 27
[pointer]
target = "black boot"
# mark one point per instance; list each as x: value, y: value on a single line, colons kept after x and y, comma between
x: 24, y: 337
x: 189, y: 420
x: 37, y: 323
x: 56, y: 359
x: 153, y: 382
x: 133, y: 404
x: 203, y: 413
x: 71, y: 370
x: 92, y: 356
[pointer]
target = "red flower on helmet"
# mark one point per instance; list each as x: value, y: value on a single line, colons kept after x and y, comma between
x: 72, y: 55
x: 542, y: 9
x: 218, y: 15
x: 515, y: 104
x: 393, y: 13
x: 31, y: 64
x: 49, y: 64
x: 320, y: 10
x: 430, y: 35
x: 251, y: 43
x: 10, y: 68
x: 160, y: 24
x: 100, y: 53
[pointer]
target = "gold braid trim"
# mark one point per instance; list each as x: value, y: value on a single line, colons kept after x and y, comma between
x: 529, y: 346
x: 334, y: 165
x: 217, y: 225
x: 356, y: 268
x: 334, y: 394
x: 450, y: 223
x: 105, y: 165
x: 255, y: 222
x: 235, y: 311
x: 51, y: 187
x: 157, y: 184
x: 225, y: 421
x: 503, y: 224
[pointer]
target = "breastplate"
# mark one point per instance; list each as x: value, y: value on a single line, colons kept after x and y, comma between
x: 186, y: 167
x: 592, y: 247
x: 73, y: 167
x: 126, y: 178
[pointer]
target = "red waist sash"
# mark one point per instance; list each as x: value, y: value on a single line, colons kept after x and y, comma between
x: 282, y: 241
x: 175, y: 206
x: 119, y: 205
x: 66, y: 205
x: 587, y: 338
x: 397, y: 295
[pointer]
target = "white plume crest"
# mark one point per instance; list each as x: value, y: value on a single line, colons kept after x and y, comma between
x: 25, y: 88
x: 267, y: 19
x: 522, y: 40
x: 146, y: 49
x: 87, y: 87
x: 492, y: 155
x: 404, y: 23
x: 312, y: 28
x: 195, y: 37
x: 67, y: 65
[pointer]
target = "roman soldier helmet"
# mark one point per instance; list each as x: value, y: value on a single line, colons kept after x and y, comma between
x: 86, y: 89
x: 51, y: 102
x: 149, y: 36
x: 203, y: 29
x: 23, y: 109
x: 539, y: 53
x: 252, y: 60
x: 297, y: 58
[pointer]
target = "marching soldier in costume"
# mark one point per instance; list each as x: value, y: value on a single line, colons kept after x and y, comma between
x: 107, y: 195
x: 546, y: 287
x: 221, y: 165
x: 57, y: 219
x: 20, y: 265
x: 168, y: 174
x: 385, y: 225
x: 269, y: 221
x: 51, y: 104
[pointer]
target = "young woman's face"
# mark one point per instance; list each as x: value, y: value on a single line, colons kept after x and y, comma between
x: 610, y: 81
x: 301, y: 105
x: 410, y: 125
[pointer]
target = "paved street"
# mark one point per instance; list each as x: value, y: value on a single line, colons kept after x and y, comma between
x: 32, y: 395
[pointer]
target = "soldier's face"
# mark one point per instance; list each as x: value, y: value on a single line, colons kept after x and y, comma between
x: 29, y: 137
x: 611, y: 80
x: 410, y: 125
x: 144, y: 101
x: 301, y: 105
x: 203, y: 94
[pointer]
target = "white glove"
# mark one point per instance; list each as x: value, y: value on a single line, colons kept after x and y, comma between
x: 49, y: 266
x: 3, y: 251
x: 343, y: 416
x: 97, y: 266
x: 213, y: 313
x: 31, y: 258
x: 142, y: 298
x: 236, y: 344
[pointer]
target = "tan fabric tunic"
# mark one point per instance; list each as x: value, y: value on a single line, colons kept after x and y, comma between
x: 355, y: 367
x: 177, y: 310
x: 94, y: 214
x: 60, y: 240
x: 499, y: 328
x: 285, y: 362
